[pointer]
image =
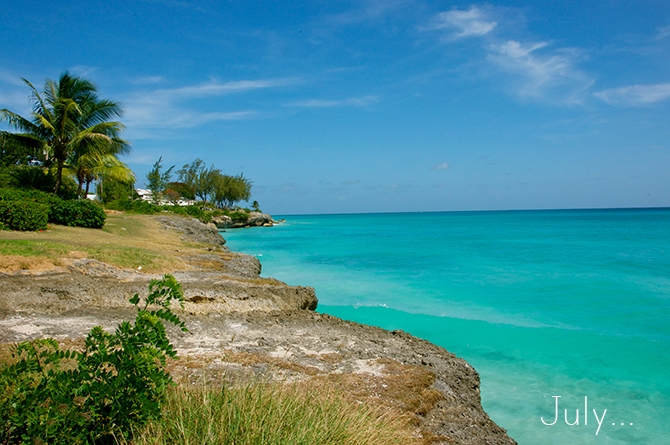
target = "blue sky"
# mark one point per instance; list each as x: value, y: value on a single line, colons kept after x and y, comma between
x: 375, y: 106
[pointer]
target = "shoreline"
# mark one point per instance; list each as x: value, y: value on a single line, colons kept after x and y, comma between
x: 244, y: 326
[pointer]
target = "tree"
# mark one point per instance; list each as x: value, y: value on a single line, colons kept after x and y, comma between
x: 199, y: 178
x: 68, y: 118
x: 157, y: 181
x: 229, y: 190
x: 110, y: 189
x: 95, y: 165
x: 182, y: 190
x: 15, y: 151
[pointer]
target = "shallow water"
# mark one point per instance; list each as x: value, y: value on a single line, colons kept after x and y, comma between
x: 542, y: 303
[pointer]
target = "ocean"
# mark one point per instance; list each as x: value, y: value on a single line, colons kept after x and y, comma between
x: 558, y: 310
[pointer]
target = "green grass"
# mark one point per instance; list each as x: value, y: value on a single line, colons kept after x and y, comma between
x: 21, y: 247
x: 270, y: 414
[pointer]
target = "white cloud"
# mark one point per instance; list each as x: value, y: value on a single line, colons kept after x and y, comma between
x: 472, y: 22
x: 635, y: 95
x: 540, y: 71
x: 351, y: 102
x: 166, y: 108
x: 443, y: 166
x: 215, y: 88
x: 535, y: 68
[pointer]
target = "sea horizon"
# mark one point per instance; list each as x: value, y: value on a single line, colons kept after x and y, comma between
x: 567, y: 209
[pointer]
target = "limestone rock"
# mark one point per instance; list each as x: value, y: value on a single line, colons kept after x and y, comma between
x: 259, y: 219
x: 222, y: 222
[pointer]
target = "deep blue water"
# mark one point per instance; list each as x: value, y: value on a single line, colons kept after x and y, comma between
x: 571, y: 303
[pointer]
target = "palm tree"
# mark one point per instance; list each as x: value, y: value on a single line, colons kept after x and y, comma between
x: 95, y: 165
x: 69, y: 118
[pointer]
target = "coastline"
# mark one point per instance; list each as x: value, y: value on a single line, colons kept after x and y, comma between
x: 244, y: 326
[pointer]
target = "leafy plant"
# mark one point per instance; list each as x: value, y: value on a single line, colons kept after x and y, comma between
x: 24, y: 215
x: 79, y: 213
x: 157, y: 180
x: 106, y: 392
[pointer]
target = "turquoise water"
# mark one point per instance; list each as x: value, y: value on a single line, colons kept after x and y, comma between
x: 542, y: 303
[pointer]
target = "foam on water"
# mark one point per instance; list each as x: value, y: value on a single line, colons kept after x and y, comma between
x: 549, y: 303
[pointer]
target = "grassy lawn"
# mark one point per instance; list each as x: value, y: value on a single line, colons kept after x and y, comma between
x: 127, y: 241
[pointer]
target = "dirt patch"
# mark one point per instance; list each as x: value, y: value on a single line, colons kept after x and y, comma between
x: 12, y: 263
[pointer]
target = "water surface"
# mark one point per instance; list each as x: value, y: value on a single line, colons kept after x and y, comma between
x: 542, y: 303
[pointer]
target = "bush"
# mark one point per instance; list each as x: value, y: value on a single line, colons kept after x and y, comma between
x: 79, y: 213
x: 24, y: 215
x: 113, y: 387
x: 133, y: 206
x: 12, y: 194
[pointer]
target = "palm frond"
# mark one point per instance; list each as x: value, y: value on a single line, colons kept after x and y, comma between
x: 17, y: 121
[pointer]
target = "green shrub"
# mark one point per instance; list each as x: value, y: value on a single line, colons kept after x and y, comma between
x: 24, y: 215
x: 13, y: 194
x: 79, y: 213
x: 113, y: 387
x: 194, y: 211
x: 133, y: 206
x: 238, y: 216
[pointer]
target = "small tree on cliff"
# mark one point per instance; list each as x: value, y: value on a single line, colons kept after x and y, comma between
x: 157, y: 181
x: 229, y: 190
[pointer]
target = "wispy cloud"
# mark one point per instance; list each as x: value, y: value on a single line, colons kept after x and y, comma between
x: 540, y: 70
x: 472, y: 22
x: 147, y: 80
x: 663, y: 33
x: 635, y: 95
x: 535, y: 69
x: 350, y: 102
x: 443, y: 166
x: 215, y: 88
x: 14, y: 94
x: 11, y: 79
x: 149, y: 114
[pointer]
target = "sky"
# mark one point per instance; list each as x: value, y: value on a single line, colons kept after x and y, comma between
x: 374, y: 105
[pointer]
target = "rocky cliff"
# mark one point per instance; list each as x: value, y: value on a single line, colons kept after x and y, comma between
x: 242, y: 325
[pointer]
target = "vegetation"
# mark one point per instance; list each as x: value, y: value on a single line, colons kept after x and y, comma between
x: 113, y: 387
x: 31, y: 209
x: 71, y: 141
x: 224, y: 191
x: 111, y: 189
x: 80, y: 213
x: 270, y: 414
x: 70, y: 125
x: 157, y: 180
x: 126, y: 241
x: 23, y: 215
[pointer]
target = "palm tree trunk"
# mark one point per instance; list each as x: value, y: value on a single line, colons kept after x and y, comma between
x: 59, y: 175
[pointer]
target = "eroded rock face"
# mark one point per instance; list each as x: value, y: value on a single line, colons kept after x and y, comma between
x: 222, y: 222
x: 255, y: 219
x: 192, y: 229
